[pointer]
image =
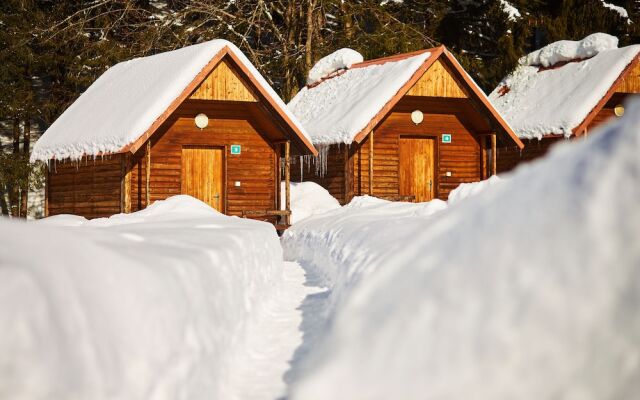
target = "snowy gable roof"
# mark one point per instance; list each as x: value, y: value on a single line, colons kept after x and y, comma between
x: 337, y: 109
x: 130, y: 99
x: 346, y: 105
x: 550, y: 94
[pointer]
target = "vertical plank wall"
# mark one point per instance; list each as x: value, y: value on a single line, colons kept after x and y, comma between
x: 510, y: 157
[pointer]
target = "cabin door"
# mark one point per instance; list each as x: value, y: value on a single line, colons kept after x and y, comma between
x: 417, y: 168
x: 203, y: 174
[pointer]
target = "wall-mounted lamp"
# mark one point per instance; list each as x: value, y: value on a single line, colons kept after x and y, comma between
x: 202, y: 121
x: 417, y: 117
x: 619, y: 110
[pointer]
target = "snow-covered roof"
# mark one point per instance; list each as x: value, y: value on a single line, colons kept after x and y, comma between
x: 336, y: 61
x: 554, y: 89
x: 337, y: 109
x: 345, y: 106
x: 124, y: 103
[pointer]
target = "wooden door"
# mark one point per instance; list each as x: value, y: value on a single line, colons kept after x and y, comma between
x: 203, y: 174
x: 417, y: 168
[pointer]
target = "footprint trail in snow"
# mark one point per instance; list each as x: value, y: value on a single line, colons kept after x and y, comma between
x: 272, y: 340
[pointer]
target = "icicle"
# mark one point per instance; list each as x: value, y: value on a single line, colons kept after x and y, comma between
x: 321, y: 160
x: 301, y: 169
x: 306, y: 160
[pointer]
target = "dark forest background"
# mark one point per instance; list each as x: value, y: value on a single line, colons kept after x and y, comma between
x: 51, y: 51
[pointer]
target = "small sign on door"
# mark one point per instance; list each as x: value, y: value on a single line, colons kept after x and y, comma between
x: 236, y: 149
x: 446, y: 138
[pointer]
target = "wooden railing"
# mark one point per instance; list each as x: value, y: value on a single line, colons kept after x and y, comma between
x: 409, y: 199
x: 282, y: 217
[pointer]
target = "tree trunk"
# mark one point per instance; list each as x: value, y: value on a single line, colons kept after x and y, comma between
x: 288, y: 84
x: 3, y: 203
x: 310, y: 31
x: 347, y: 21
x: 26, y: 150
x: 12, y: 187
x: 16, y: 136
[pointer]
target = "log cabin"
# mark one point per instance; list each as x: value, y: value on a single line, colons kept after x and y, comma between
x: 557, y: 93
x: 200, y: 121
x: 409, y: 127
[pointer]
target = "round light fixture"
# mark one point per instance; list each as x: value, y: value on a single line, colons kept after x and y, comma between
x: 417, y: 117
x: 202, y: 121
x: 619, y: 110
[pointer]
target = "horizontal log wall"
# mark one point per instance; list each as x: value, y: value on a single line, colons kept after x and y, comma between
x: 461, y: 157
x: 89, y: 188
x: 510, y: 157
x: 604, y: 116
x: 229, y: 124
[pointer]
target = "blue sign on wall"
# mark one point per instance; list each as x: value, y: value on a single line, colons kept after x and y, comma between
x: 236, y: 149
x: 446, y: 138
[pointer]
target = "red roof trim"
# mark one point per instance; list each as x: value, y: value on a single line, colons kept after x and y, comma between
x: 580, y: 129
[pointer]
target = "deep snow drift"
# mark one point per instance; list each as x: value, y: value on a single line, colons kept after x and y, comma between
x: 529, y: 290
x: 150, y: 305
x: 307, y: 199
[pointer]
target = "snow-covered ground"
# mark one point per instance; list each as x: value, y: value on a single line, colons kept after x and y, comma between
x: 524, y: 287
x: 528, y: 290
x: 164, y: 303
x: 307, y: 199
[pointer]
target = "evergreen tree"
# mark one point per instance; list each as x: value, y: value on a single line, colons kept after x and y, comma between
x: 52, y: 51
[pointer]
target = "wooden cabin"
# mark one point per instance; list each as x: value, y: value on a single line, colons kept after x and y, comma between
x: 410, y: 127
x: 199, y: 121
x: 547, y: 104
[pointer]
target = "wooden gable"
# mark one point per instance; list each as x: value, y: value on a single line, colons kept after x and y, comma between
x: 224, y: 83
x: 631, y: 82
x: 437, y: 81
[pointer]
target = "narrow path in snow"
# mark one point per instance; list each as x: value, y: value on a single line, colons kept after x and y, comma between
x: 275, y: 339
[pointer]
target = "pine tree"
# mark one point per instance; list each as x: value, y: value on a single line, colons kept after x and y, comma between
x: 18, y: 101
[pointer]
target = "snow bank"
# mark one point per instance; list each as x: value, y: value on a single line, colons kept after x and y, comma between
x: 343, y: 244
x: 555, y: 101
x: 337, y: 109
x: 465, y: 190
x: 307, y: 199
x: 568, y: 50
x: 529, y: 290
x: 339, y: 59
x: 128, y: 98
x: 151, y: 305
